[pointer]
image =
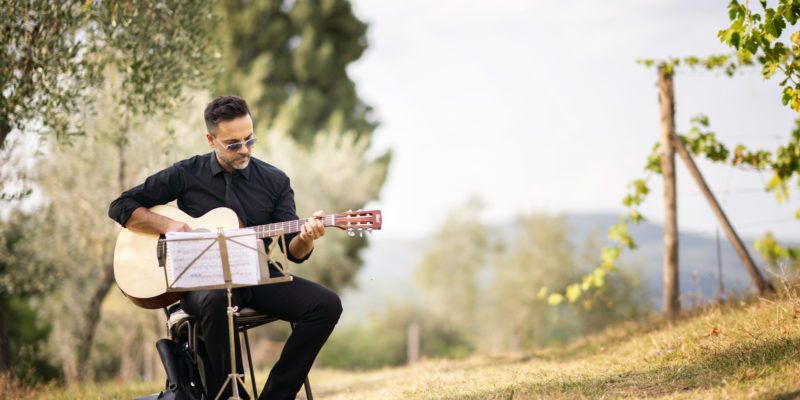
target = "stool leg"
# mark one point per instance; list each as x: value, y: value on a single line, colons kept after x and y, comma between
x: 250, y: 364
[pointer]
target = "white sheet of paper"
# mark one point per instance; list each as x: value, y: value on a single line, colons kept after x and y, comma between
x: 207, y: 269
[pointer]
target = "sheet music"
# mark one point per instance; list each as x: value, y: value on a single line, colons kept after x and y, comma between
x: 207, y: 269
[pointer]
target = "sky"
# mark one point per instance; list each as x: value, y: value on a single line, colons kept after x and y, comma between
x: 540, y: 107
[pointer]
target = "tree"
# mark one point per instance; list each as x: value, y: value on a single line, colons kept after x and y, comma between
x: 53, y: 52
x: 541, y: 256
x: 43, y: 70
x: 289, y: 59
x: 448, y: 277
x: 24, y: 272
x: 56, y: 54
x: 77, y: 181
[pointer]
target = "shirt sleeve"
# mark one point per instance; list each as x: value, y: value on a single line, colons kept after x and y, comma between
x: 159, y: 188
x: 285, y: 211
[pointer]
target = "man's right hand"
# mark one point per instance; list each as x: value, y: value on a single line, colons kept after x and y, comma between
x: 178, y: 226
x: 143, y: 220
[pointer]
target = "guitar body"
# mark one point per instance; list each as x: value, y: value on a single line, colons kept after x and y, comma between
x: 142, y: 278
x: 136, y: 267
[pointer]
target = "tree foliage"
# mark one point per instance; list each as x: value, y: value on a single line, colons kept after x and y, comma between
x: 43, y: 69
x: 540, y: 256
x: 74, y: 185
x: 24, y: 272
x: 52, y: 52
x: 79, y: 192
x: 448, y: 273
x: 289, y: 59
x: 759, y: 35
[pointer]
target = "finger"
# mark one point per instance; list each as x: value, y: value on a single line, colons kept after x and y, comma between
x: 316, y: 228
x: 319, y: 229
x: 319, y: 214
x: 307, y: 233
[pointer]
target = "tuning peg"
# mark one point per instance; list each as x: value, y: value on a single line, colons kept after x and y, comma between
x: 350, y: 232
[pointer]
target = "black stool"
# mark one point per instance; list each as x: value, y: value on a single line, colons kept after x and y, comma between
x: 180, y: 324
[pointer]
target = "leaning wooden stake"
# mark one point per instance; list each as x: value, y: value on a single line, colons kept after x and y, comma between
x: 672, y: 304
x: 764, y: 286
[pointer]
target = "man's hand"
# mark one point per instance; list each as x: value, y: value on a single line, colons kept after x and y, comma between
x: 143, y: 220
x: 312, y: 230
x: 178, y: 226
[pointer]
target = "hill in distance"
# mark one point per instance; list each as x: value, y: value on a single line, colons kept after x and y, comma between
x: 387, y: 275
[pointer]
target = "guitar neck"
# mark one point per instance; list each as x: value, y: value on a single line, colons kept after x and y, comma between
x: 288, y: 227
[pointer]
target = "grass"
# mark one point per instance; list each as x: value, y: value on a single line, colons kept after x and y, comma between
x: 724, y: 351
x: 749, y: 351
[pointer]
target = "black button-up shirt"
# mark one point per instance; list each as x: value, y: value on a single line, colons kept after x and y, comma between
x: 198, y: 183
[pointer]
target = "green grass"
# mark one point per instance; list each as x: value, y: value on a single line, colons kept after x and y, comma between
x: 730, y: 351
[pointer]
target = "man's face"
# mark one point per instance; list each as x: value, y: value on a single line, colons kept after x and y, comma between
x: 229, y: 132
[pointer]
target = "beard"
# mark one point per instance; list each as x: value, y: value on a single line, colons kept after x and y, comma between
x: 232, y: 161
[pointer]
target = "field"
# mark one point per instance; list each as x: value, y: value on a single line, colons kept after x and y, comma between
x: 742, y: 350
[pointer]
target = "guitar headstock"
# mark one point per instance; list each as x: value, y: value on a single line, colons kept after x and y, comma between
x: 358, y: 221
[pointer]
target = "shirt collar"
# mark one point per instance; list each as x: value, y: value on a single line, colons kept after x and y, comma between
x: 217, y: 169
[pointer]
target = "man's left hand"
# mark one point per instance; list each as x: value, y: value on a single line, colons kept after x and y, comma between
x: 313, y: 229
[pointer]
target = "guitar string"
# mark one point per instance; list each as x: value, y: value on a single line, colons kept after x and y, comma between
x: 294, y: 226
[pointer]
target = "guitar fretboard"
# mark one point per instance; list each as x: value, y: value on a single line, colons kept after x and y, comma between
x: 272, y: 230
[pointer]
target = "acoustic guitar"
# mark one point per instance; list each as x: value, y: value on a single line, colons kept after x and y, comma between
x: 139, y: 257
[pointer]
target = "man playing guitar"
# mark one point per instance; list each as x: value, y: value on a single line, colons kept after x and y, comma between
x: 259, y: 194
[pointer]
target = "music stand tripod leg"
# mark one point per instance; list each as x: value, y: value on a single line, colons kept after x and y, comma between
x: 233, y: 377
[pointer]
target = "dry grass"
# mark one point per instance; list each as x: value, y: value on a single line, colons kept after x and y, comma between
x: 750, y: 351
x: 730, y: 351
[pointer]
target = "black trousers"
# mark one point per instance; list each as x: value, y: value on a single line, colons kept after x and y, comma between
x: 313, y: 308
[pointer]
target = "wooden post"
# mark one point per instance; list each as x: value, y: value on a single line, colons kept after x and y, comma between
x: 413, y: 343
x: 666, y: 97
x: 765, y: 287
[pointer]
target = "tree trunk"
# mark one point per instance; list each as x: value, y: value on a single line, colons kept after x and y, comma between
x: 93, y: 311
x: 672, y: 303
x: 92, y: 318
x: 5, y: 344
x: 5, y: 129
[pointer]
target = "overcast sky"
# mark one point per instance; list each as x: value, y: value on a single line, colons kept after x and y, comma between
x: 539, y: 106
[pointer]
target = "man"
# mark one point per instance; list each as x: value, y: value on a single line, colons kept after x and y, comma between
x: 259, y: 194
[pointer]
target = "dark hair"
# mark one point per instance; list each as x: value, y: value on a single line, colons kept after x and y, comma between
x: 224, y: 108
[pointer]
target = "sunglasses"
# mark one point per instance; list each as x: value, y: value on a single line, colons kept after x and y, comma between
x: 238, y: 145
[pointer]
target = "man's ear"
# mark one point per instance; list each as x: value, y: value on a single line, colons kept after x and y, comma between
x: 210, y: 138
